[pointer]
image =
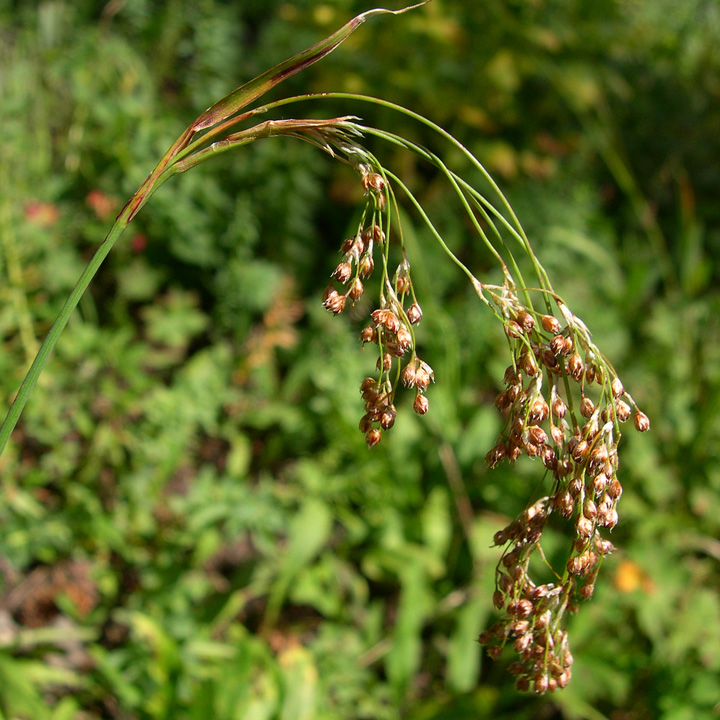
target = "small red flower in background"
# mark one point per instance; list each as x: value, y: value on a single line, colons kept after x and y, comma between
x: 138, y: 243
x: 103, y: 205
x: 43, y: 214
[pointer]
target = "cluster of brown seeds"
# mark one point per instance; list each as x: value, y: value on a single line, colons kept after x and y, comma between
x: 391, y: 327
x: 563, y: 404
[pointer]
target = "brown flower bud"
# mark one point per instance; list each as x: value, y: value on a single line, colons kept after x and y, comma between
x: 485, y: 637
x: 512, y: 376
x: 540, y: 684
x: 367, y: 265
x: 614, y: 489
x: 404, y: 338
x: 420, y: 405
x: 557, y: 345
x: 579, y: 450
x: 495, y: 455
x: 589, y: 374
x: 557, y: 435
x: 529, y: 364
x: 525, y: 320
x: 587, y: 407
x: 422, y: 379
x: 523, y: 608
x: 498, y: 599
x: 590, y: 509
x: 548, y: 457
x: 575, y: 367
x: 335, y: 302
x: 539, y: 410
x: 373, y: 182
x: 584, y: 526
x: 622, y: 410
x: 373, y: 437
x: 366, y: 423
x: 564, y: 504
x: 522, y: 684
x: 513, y: 329
x: 494, y: 651
x: 384, y: 363
x: 356, y: 289
x: 369, y: 334
x: 342, y: 272
x: 536, y: 434
x: 407, y: 376
x: 550, y: 324
x: 617, y: 387
x: 642, y: 422
x: 387, y: 419
x: 414, y: 314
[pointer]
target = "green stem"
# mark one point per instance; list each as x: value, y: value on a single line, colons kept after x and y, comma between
x: 123, y: 220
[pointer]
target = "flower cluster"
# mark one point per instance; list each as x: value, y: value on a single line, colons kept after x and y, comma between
x: 563, y: 405
x: 391, y: 326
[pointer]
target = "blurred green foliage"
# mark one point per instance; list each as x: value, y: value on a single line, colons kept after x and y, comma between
x: 192, y: 525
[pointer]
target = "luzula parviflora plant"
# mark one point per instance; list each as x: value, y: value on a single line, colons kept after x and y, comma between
x: 563, y: 404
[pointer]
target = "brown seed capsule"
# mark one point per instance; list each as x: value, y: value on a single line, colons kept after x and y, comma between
x: 384, y: 363
x: 622, y: 410
x: 407, y: 376
x: 495, y: 456
x: 402, y: 285
x: 369, y: 334
x: 367, y: 266
x: 485, y: 637
x: 342, y: 272
x: 548, y: 457
x: 422, y: 379
x: 498, y: 599
x: 540, y: 684
x: 559, y: 408
x: 374, y: 182
x: 420, y: 405
x: 366, y: 423
x: 404, y: 338
x: 539, y: 410
x: 356, y: 289
x: 536, y: 434
x: 512, y: 376
x: 587, y: 407
x: 579, y: 449
x: 414, y: 314
x: 642, y: 422
x: 373, y: 437
x: 347, y: 245
x: 590, y: 509
x: 564, y: 504
x: 550, y: 324
x: 616, y: 387
x: 513, y: 329
x: 522, y: 684
x: 575, y: 367
x: 614, y: 489
x: 387, y: 419
x: 529, y: 364
x: 589, y: 374
x: 525, y: 320
x: 524, y: 608
x: 335, y: 302
x: 557, y: 435
x: 494, y: 651
x: 584, y: 527
x: 557, y: 344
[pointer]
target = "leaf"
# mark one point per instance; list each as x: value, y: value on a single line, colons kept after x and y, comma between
x: 260, y: 85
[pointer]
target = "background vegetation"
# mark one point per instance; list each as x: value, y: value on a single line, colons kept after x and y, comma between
x: 192, y: 525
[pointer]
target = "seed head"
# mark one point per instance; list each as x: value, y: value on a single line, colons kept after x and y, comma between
x: 334, y: 302
x: 550, y: 324
x: 414, y: 314
x: 369, y: 334
x: 642, y: 422
x: 526, y: 320
x: 356, y: 289
x: 408, y: 374
x: 421, y: 404
x: 617, y: 387
x: 342, y: 272
x: 513, y: 329
x: 373, y: 437
x: 367, y: 266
